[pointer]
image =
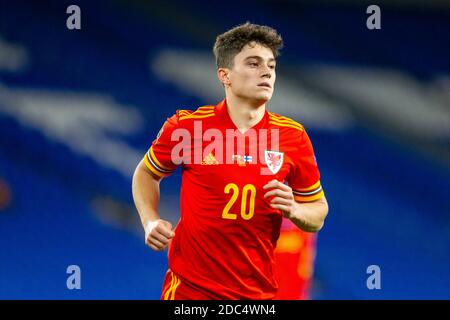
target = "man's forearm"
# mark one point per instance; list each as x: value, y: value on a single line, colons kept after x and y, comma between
x: 146, y: 195
x: 310, y: 216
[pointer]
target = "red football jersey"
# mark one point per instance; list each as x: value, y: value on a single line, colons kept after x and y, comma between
x: 225, y: 239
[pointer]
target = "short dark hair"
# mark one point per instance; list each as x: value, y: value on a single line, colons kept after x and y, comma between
x: 230, y: 43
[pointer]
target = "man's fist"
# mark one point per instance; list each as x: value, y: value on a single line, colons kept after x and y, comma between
x: 158, y: 233
x: 280, y: 197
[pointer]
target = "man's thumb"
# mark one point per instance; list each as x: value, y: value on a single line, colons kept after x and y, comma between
x: 168, y: 225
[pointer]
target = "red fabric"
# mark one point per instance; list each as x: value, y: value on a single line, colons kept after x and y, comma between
x: 176, y: 289
x: 294, y: 261
x: 227, y: 252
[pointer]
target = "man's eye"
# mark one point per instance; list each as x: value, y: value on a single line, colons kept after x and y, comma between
x: 253, y: 64
x: 272, y: 67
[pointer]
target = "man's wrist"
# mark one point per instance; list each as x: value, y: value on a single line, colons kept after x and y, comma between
x: 296, y: 216
x: 295, y: 212
x: 149, y: 220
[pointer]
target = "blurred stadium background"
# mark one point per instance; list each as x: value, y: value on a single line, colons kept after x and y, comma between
x: 78, y: 109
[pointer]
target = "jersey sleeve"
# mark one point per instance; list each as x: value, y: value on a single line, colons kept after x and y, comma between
x: 304, y: 179
x: 159, y: 158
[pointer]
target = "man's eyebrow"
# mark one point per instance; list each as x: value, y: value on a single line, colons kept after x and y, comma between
x: 258, y: 58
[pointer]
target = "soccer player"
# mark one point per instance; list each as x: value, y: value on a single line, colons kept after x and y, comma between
x: 236, y: 159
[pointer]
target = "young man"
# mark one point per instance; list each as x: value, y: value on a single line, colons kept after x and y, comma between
x: 235, y: 158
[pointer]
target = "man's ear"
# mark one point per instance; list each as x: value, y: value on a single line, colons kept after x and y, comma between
x: 223, y: 75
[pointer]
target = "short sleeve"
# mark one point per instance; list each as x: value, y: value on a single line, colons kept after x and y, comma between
x: 159, y: 157
x: 304, y: 179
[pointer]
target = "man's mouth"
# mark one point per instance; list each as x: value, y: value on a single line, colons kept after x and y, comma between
x: 265, y: 84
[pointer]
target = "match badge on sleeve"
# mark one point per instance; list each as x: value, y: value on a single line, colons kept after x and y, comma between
x: 274, y: 160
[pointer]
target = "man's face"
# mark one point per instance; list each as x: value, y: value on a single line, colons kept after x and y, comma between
x: 253, y: 73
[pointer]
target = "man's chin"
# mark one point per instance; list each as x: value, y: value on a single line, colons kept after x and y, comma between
x: 263, y: 99
x: 258, y: 99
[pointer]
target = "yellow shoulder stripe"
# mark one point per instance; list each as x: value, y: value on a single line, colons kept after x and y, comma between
x: 288, y: 125
x: 280, y: 119
x: 184, y: 112
x: 202, y: 112
x: 200, y: 116
x: 283, y: 119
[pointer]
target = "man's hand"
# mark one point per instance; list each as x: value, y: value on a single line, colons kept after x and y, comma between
x: 309, y: 216
x: 283, y: 199
x: 158, y: 233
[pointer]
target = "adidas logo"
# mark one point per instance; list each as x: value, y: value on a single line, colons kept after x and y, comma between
x: 210, y: 160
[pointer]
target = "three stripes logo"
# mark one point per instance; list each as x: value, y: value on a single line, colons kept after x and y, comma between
x: 210, y: 160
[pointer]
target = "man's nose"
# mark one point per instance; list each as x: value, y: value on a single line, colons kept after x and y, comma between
x: 266, y: 73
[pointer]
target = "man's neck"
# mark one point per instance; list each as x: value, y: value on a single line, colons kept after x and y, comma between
x: 244, y: 113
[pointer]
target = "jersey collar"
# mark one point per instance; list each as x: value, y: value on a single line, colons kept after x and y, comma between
x: 222, y: 112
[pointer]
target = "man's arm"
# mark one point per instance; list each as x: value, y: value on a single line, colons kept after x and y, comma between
x: 146, y: 193
x: 308, y: 216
